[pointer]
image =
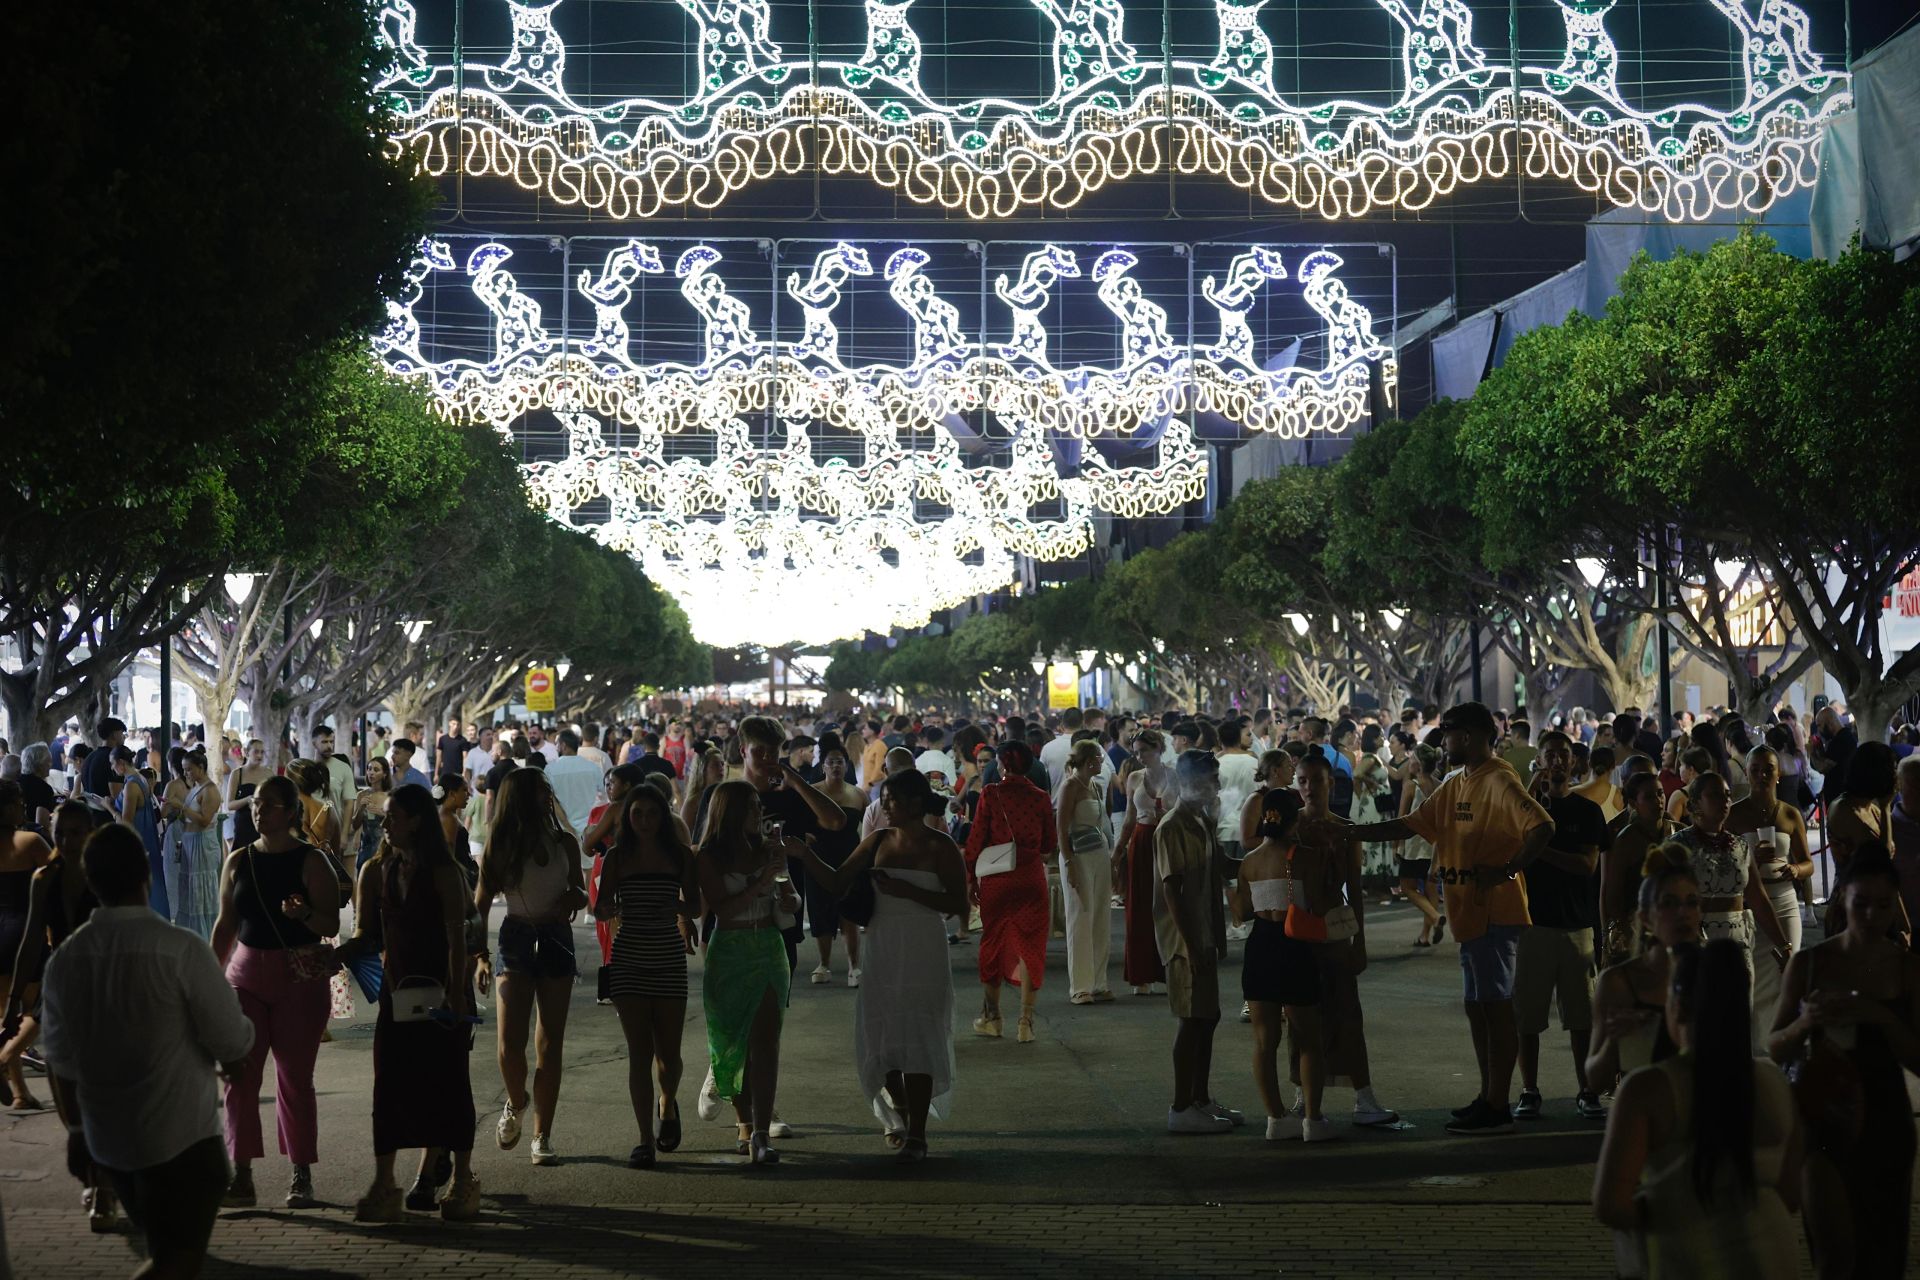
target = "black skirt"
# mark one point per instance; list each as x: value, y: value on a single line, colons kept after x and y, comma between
x: 1277, y: 969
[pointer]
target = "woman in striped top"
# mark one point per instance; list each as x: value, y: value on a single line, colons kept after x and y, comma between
x: 654, y: 900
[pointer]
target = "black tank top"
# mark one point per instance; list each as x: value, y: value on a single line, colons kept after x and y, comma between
x: 261, y: 882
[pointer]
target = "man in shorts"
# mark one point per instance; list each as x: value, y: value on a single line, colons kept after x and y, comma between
x: 1192, y: 936
x: 1555, y: 956
x: 1485, y: 828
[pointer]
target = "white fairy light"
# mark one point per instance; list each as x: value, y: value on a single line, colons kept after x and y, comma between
x: 1113, y: 113
x: 1014, y: 380
x: 708, y: 473
x: 239, y: 586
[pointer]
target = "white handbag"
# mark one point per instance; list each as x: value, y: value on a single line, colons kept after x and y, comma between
x: 995, y: 859
x: 416, y: 999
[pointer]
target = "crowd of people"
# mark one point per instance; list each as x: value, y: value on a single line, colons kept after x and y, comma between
x: 163, y: 919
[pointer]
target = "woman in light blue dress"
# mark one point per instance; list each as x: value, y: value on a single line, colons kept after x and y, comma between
x: 133, y: 802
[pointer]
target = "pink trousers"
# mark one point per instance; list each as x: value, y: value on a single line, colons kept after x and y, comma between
x: 288, y: 1018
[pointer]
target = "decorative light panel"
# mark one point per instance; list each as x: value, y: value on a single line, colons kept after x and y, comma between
x: 761, y: 468
x: 521, y: 358
x: 754, y: 109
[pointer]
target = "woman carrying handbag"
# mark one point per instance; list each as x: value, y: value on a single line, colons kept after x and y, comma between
x: 1007, y: 852
x: 279, y: 896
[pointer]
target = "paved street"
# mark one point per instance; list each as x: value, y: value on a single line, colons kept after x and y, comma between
x: 1054, y: 1161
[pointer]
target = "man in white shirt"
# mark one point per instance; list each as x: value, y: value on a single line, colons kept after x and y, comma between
x: 591, y: 752
x: 479, y: 761
x: 936, y: 762
x: 1236, y: 783
x: 1054, y: 754
x: 537, y: 739
x: 135, y: 1016
x: 576, y: 783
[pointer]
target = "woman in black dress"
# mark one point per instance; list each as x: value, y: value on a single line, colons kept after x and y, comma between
x: 416, y: 897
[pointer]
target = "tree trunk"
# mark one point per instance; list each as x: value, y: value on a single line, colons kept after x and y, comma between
x: 216, y: 705
x: 1873, y: 704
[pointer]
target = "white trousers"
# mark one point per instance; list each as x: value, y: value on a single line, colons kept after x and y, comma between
x: 1089, y: 921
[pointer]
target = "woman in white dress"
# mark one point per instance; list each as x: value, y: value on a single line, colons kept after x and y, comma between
x: 1085, y: 868
x: 903, y: 1012
x: 1370, y: 783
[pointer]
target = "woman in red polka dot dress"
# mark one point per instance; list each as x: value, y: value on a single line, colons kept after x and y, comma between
x: 1015, y: 911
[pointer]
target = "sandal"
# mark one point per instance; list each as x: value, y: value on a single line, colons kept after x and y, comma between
x: 913, y: 1151
x: 641, y: 1157
x: 669, y: 1139
x: 743, y: 1140
x: 896, y: 1138
x: 422, y: 1197
x: 385, y: 1205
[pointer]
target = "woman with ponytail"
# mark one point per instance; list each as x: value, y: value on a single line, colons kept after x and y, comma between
x: 1630, y: 1003
x: 1703, y: 1151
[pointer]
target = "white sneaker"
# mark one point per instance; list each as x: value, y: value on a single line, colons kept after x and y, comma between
x: 1368, y: 1109
x: 507, y: 1131
x: 1246, y: 1011
x: 543, y: 1152
x: 1240, y: 932
x: 1194, y: 1120
x: 820, y: 976
x: 779, y: 1128
x: 1283, y: 1128
x: 853, y: 977
x: 1320, y: 1130
x: 709, y: 1103
x: 1220, y: 1112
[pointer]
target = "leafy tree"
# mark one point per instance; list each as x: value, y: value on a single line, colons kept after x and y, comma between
x: 1403, y: 519
x: 1738, y: 407
x: 208, y: 211
x: 995, y: 649
x: 853, y: 669
x: 923, y: 666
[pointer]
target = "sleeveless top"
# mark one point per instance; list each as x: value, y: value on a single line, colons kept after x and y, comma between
x: 261, y: 882
x: 244, y: 832
x: 542, y: 888
x: 1721, y: 869
x: 58, y: 925
x: 1086, y: 813
x: 15, y: 889
x: 413, y: 929
x: 371, y: 827
x: 760, y: 911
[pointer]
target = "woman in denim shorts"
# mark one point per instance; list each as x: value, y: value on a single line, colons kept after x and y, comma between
x: 533, y: 859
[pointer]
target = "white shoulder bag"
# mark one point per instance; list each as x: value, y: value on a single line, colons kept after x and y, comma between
x: 996, y: 859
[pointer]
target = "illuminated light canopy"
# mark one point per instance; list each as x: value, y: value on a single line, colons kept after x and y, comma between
x: 717, y: 421
x: 1010, y: 373
x: 1464, y: 114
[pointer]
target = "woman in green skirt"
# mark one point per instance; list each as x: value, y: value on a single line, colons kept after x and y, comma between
x: 743, y: 878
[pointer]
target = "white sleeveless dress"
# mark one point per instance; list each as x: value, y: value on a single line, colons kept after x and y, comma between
x: 903, y: 1011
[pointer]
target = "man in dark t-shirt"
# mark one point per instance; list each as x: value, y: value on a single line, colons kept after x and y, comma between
x: 96, y: 775
x: 1555, y: 955
x: 450, y: 750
